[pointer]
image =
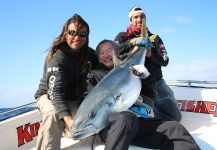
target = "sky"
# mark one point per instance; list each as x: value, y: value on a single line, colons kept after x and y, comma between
x: 187, y: 28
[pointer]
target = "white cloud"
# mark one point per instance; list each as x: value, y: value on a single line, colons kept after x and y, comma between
x: 204, y: 70
x: 177, y: 19
x: 167, y: 30
x: 181, y: 19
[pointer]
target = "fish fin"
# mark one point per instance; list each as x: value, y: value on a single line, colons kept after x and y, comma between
x: 116, y: 60
x: 153, y: 37
x: 140, y: 71
x: 143, y: 28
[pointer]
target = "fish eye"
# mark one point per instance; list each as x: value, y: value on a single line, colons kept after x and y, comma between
x: 109, y: 104
x: 91, y: 115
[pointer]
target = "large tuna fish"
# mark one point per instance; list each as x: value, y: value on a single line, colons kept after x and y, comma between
x: 116, y: 92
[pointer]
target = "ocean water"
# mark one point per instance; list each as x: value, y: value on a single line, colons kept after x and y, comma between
x: 14, y: 113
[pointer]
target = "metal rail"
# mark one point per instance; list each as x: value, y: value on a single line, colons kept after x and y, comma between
x: 189, y: 82
x: 17, y: 108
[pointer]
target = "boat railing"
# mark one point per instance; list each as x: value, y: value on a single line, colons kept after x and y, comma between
x: 192, y: 83
x: 10, y: 111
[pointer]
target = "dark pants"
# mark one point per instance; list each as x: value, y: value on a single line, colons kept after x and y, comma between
x: 165, y: 105
x: 164, y: 135
x: 122, y: 129
x: 125, y: 129
x: 149, y: 87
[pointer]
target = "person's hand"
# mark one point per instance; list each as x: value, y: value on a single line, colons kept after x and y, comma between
x: 140, y: 41
x: 144, y: 42
x: 68, y: 126
x: 68, y: 122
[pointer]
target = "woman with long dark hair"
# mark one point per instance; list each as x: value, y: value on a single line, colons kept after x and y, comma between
x: 63, y: 81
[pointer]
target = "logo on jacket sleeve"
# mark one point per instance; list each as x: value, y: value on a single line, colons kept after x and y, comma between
x: 52, y: 69
x: 51, y: 84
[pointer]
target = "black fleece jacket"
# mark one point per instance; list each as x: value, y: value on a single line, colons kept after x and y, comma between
x: 153, y: 64
x: 62, y: 81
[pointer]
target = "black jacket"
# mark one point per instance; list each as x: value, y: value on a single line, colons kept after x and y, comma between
x: 62, y: 81
x: 159, y: 56
x: 95, y: 75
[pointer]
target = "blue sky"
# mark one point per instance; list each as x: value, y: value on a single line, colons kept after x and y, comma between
x: 188, y: 29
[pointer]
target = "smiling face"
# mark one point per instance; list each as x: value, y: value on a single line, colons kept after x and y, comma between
x: 136, y: 19
x: 76, y: 37
x: 105, y: 54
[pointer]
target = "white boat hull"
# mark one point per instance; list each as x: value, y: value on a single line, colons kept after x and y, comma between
x: 198, y: 106
x: 199, y: 113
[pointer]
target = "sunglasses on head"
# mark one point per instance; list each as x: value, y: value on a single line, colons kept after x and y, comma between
x: 75, y: 33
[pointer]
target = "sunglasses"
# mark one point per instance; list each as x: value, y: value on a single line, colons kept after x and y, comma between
x: 75, y: 33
